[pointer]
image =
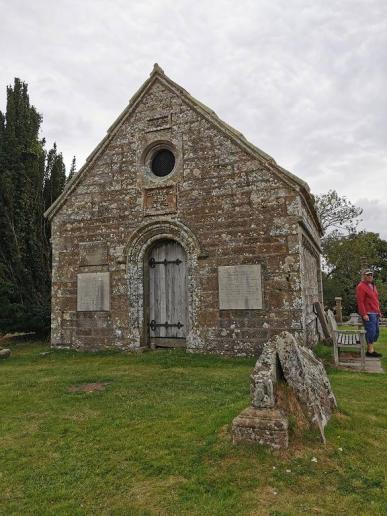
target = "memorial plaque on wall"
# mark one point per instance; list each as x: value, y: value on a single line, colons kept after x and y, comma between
x: 93, y: 292
x: 160, y: 200
x: 240, y: 287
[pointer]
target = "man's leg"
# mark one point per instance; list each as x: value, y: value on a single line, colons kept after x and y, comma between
x: 372, y: 332
x: 369, y: 328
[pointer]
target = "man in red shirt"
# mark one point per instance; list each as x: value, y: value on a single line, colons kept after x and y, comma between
x: 368, y: 307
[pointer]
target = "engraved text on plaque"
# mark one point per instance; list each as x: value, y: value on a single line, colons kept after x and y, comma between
x: 160, y: 200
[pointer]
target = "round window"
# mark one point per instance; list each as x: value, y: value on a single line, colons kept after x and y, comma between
x: 163, y: 162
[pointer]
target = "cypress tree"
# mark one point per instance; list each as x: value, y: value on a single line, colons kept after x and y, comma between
x: 24, y: 251
x: 73, y: 169
x: 54, y: 176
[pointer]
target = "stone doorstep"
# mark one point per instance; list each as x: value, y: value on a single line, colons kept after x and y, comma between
x: 372, y: 365
x: 263, y: 426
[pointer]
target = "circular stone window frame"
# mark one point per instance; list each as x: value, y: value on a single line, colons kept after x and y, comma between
x: 151, y: 152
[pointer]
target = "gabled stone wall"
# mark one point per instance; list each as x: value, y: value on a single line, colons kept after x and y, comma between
x: 235, y: 207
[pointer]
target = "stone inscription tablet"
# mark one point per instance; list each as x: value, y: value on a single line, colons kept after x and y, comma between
x: 158, y: 123
x: 240, y: 287
x: 159, y: 200
x: 93, y: 292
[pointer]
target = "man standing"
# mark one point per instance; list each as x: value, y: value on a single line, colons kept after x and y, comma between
x: 369, y: 309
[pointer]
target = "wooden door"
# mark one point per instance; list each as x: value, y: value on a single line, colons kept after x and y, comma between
x: 167, y: 295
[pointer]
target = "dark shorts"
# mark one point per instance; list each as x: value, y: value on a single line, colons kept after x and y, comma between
x: 372, y: 328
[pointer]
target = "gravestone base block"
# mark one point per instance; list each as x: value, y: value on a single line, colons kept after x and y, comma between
x: 263, y: 426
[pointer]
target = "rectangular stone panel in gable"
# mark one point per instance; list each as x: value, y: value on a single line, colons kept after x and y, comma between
x: 158, y: 122
x: 93, y: 291
x: 160, y: 200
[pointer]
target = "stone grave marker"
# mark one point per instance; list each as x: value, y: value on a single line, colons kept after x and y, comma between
x: 5, y: 353
x: 354, y: 319
x: 284, y: 360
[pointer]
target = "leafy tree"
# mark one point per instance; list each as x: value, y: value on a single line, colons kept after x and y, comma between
x: 337, y: 214
x: 345, y: 251
x: 25, y: 251
x: 345, y: 257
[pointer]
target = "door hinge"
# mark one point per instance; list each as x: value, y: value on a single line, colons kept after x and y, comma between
x: 153, y: 262
x: 154, y: 325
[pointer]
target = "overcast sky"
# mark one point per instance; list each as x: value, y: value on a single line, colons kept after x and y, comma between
x: 305, y: 81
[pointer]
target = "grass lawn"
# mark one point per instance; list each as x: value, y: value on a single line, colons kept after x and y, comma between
x: 156, y: 440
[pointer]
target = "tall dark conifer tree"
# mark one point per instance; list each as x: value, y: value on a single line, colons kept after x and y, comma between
x: 54, y: 177
x: 73, y: 169
x: 24, y: 246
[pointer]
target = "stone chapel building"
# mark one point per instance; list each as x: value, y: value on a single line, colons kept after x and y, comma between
x: 179, y: 232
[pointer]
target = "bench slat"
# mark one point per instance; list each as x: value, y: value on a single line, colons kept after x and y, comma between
x: 348, y: 339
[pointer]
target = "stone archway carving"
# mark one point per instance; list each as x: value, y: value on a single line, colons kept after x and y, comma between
x: 134, y: 252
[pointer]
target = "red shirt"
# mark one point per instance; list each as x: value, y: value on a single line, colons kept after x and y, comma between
x: 367, y: 298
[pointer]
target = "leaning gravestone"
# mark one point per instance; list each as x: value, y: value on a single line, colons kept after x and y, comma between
x: 5, y: 353
x: 284, y: 360
x: 354, y: 319
x: 306, y: 375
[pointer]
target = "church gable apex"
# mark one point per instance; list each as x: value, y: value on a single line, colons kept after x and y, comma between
x: 162, y: 120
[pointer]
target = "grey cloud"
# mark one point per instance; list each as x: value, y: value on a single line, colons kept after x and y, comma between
x: 374, y: 216
x: 302, y: 80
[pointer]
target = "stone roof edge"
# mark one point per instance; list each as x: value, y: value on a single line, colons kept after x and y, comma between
x: 290, y: 178
x: 70, y: 186
x: 211, y: 116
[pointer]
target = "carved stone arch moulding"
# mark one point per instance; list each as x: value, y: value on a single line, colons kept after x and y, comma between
x: 134, y: 253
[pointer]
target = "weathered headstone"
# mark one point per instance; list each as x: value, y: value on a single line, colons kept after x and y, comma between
x: 331, y: 321
x: 354, y: 319
x: 261, y: 422
x: 283, y: 360
x: 5, y: 353
x: 308, y: 379
x: 322, y: 320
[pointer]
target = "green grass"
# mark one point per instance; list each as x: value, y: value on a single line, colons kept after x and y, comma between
x: 157, y: 440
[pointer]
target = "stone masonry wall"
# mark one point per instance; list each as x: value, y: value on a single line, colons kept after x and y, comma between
x: 311, y: 291
x: 239, y: 211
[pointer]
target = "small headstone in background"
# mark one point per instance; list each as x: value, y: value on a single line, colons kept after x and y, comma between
x: 354, y: 319
x: 5, y: 353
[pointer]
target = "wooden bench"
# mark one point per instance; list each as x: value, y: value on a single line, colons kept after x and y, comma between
x: 346, y: 339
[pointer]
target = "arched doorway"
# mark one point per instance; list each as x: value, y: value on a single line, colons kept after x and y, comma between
x: 166, y: 294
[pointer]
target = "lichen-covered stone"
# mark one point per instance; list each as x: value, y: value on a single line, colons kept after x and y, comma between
x: 284, y: 360
x: 263, y: 426
x: 308, y: 379
x: 226, y: 203
x: 263, y: 379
